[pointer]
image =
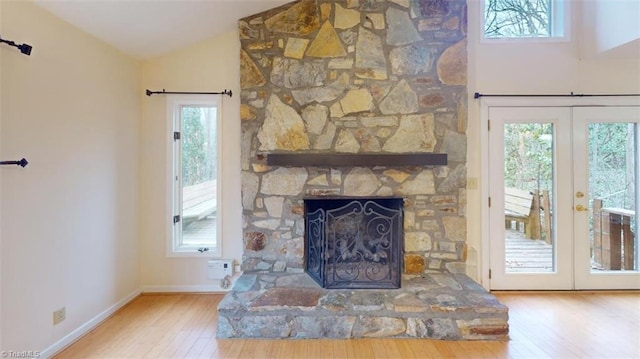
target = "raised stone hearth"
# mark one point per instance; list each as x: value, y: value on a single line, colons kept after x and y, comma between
x: 285, y: 305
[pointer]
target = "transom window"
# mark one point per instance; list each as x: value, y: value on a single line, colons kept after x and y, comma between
x: 194, y: 180
x: 521, y: 19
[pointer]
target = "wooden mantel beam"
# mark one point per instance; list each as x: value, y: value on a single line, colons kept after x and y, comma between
x: 356, y: 160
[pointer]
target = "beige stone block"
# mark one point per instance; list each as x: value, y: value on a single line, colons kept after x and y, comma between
x: 327, y: 43
x: 296, y: 47
x: 345, y: 18
x: 396, y: 175
x: 417, y: 241
x: 247, y: 112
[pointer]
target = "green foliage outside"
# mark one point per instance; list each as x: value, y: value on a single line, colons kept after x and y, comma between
x: 198, y: 145
x: 528, y: 156
x: 611, y: 164
x: 529, y: 160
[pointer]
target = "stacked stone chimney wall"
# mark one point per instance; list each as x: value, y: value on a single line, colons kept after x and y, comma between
x: 355, y: 76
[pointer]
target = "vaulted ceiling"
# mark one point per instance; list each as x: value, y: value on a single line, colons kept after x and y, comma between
x: 148, y: 28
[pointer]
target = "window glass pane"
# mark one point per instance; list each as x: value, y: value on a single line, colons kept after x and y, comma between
x: 518, y: 18
x: 199, y: 171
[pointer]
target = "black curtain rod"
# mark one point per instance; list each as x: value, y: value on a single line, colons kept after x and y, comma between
x: 163, y: 92
x: 477, y: 95
x: 23, y: 163
x: 24, y: 48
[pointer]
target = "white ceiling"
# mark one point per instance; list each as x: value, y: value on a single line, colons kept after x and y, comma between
x: 148, y: 28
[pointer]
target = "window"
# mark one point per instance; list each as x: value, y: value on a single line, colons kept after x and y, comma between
x: 194, y: 185
x: 517, y: 19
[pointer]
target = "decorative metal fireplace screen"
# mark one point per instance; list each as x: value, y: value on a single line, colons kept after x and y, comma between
x: 354, y: 243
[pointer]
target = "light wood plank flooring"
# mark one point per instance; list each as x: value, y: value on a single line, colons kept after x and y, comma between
x: 542, y: 325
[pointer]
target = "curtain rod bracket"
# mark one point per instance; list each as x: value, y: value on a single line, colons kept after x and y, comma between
x: 22, y: 163
x: 163, y: 92
x: 24, y: 48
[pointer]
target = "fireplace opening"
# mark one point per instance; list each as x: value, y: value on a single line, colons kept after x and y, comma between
x: 354, y: 243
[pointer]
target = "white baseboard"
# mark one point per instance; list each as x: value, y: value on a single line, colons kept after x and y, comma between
x: 88, y: 326
x: 183, y: 289
x: 214, y: 287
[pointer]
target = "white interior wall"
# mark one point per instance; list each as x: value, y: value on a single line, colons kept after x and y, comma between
x: 616, y: 23
x: 70, y: 218
x: 1, y: 184
x: 209, y: 66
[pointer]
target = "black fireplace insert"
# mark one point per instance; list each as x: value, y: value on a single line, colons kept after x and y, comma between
x: 354, y: 243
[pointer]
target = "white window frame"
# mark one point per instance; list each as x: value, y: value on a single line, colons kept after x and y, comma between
x: 560, y: 23
x: 174, y: 247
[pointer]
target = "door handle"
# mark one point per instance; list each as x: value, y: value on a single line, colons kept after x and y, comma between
x: 581, y: 208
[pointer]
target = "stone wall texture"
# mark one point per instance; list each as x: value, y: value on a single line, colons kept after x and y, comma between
x: 355, y: 76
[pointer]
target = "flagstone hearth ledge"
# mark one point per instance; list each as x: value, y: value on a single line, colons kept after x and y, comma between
x: 293, y: 306
x: 302, y: 159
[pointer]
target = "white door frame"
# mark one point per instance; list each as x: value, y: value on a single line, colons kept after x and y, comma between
x: 585, y: 278
x: 485, y: 104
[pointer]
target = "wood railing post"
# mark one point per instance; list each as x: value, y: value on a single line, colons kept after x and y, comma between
x: 546, y: 206
x: 534, y: 217
x: 628, y: 244
x: 615, y: 249
x: 597, y: 231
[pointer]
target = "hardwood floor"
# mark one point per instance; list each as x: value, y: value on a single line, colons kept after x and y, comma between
x: 542, y: 325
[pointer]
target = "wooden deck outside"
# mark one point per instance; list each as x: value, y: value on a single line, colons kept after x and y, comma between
x: 200, y: 231
x: 527, y: 255
x: 199, y: 213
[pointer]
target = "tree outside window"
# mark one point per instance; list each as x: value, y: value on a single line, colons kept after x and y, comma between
x: 518, y: 18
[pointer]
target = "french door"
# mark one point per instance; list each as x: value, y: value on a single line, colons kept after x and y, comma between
x: 563, y: 197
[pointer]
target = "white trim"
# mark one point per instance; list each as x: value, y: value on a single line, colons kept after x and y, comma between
x: 585, y: 278
x: 88, y: 326
x: 485, y: 259
x: 561, y: 191
x: 184, y: 289
x: 561, y: 11
x: 485, y: 104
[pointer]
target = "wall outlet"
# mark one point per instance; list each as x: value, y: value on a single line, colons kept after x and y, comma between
x: 219, y: 268
x: 472, y: 183
x: 59, y: 315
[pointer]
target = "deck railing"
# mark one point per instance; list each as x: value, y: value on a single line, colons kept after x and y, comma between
x: 613, y: 237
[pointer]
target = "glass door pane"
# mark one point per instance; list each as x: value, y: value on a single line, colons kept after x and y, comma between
x: 612, y: 180
x: 605, y: 200
x: 528, y: 197
x: 530, y: 219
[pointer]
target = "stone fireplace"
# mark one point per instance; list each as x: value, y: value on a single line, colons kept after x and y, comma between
x: 360, y: 78
x: 356, y: 81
